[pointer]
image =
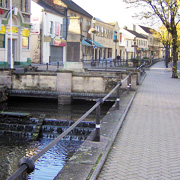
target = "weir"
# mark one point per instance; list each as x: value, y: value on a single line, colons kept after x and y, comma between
x: 24, y: 126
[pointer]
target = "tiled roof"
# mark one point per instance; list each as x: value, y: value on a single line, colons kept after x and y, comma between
x: 147, y: 29
x: 74, y: 7
x: 47, y: 7
x: 136, y: 34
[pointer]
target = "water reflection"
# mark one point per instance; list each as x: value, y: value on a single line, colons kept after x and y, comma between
x: 53, y: 161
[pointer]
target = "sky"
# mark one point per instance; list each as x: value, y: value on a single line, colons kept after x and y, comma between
x: 108, y: 11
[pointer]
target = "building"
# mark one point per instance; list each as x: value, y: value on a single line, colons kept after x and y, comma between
x: 156, y: 48
x: 127, y: 45
x: 79, y: 25
x: 104, y: 39
x: 21, y: 35
x: 140, y: 44
x: 49, y: 27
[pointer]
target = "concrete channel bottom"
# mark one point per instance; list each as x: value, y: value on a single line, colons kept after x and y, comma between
x: 87, y: 162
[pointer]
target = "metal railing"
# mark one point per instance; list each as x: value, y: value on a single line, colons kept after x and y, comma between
x: 57, y: 64
x: 26, y: 165
x: 105, y: 63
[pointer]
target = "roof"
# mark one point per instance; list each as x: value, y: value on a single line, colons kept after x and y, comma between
x: 136, y: 34
x: 147, y: 29
x: 74, y: 7
x: 47, y: 7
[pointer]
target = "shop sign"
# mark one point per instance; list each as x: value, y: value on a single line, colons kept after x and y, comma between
x: 47, y: 38
x: 25, y: 32
x: 57, y: 28
x: 14, y: 29
x: 2, y: 29
x: 1, y: 11
x: 59, y: 42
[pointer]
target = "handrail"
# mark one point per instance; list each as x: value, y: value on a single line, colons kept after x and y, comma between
x: 27, y: 164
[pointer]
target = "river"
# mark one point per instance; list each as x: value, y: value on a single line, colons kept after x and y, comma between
x: 47, y: 167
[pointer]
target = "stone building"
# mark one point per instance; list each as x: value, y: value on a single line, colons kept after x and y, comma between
x: 20, y: 35
x: 102, y: 39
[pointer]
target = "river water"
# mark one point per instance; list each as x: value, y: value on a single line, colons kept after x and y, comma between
x: 48, y: 165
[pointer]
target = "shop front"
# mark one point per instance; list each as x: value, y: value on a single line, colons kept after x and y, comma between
x: 18, y: 38
x: 57, y: 50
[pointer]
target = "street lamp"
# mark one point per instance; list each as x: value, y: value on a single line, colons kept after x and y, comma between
x: 11, y: 58
x: 115, y: 41
x: 92, y: 31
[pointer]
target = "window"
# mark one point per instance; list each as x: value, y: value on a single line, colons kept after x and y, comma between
x: 22, y: 5
x: 6, y: 3
x: 51, y: 27
x: 2, y: 41
x: 26, y: 6
x: 25, y: 42
x: 1, y: 3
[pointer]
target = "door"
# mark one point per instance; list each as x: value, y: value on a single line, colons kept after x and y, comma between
x: 56, y: 54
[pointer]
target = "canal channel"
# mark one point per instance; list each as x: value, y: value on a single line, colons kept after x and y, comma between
x: 13, y: 147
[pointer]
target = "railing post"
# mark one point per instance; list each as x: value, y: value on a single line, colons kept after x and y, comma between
x: 129, y: 83
x: 118, y: 95
x: 57, y: 64
x: 98, y: 114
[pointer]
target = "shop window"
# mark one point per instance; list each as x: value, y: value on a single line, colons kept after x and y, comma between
x: 6, y: 3
x: 26, y: 6
x: 25, y: 42
x: 2, y: 41
x: 51, y: 27
x: 22, y: 5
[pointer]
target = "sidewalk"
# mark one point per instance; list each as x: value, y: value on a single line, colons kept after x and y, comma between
x: 148, y: 144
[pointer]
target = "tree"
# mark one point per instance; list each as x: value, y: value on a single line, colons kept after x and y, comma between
x: 167, y: 13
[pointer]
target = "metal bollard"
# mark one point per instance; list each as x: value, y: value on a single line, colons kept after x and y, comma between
x: 58, y: 65
x: 118, y: 95
x: 98, y: 114
x: 46, y: 66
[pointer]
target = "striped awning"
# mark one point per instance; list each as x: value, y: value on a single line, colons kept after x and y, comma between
x: 85, y: 43
x: 95, y: 43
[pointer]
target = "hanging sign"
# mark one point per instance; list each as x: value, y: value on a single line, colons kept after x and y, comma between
x: 14, y: 29
x: 59, y: 42
x: 25, y: 32
x: 2, y: 29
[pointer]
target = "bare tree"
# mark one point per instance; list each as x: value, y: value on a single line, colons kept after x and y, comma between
x: 167, y: 13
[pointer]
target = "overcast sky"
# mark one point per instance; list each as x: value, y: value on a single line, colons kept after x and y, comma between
x: 108, y: 11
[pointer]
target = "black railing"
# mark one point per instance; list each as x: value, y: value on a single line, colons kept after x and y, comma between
x: 34, y: 67
x: 27, y: 165
x: 105, y: 63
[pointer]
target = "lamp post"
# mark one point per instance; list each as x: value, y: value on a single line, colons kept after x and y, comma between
x: 11, y: 57
x: 115, y: 41
x: 92, y: 31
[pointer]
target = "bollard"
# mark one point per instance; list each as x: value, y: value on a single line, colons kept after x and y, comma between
x: 46, y: 66
x: 118, y: 95
x: 57, y: 65
x: 98, y: 114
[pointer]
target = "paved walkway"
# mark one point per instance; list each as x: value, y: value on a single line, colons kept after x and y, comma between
x: 148, y: 144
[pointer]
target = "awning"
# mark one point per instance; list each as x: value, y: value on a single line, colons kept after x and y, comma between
x: 85, y: 43
x: 96, y: 43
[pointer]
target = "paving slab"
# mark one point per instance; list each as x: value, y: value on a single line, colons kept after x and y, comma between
x: 148, y: 144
